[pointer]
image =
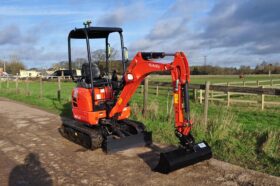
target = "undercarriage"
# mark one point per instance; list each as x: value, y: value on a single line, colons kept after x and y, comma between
x: 111, y: 136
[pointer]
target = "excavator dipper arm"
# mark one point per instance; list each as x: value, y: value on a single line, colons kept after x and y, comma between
x: 141, y: 67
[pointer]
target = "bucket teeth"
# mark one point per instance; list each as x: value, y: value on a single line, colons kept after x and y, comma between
x: 181, y: 157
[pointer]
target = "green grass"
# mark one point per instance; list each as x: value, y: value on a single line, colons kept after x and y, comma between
x: 248, y: 137
x: 241, y: 135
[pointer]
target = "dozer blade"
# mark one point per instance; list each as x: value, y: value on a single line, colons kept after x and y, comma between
x: 141, y: 139
x: 181, y: 157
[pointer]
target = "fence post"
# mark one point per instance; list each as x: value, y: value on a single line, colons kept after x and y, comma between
x: 167, y: 102
x: 157, y: 91
x: 258, y: 83
x: 206, y: 99
x: 212, y: 96
x: 27, y: 87
x: 262, y: 101
x: 17, y: 84
x: 228, y: 99
x: 228, y: 96
x: 171, y: 108
x: 8, y: 83
x: 145, y: 99
x: 271, y: 82
x: 194, y: 94
x: 200, y: 96
x: 244, y: 83
x: 41, y: 87
x: 59, y: 89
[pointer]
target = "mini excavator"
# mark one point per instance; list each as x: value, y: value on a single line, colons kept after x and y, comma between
x: 100, y: 103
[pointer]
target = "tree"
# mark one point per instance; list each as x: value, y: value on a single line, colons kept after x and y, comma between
x: 60, y: 65
x: 14, y: 65
x: 77, y: 64
x: 100, y: 55
x: 245, y: 69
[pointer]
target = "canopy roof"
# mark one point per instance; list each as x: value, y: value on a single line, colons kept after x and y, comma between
x: 93, y: 32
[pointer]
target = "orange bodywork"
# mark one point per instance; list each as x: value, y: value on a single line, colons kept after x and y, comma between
x: 90, y: 110
x: 83, y: 108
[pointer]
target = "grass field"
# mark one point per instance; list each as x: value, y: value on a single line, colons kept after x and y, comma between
x: 243, y: 135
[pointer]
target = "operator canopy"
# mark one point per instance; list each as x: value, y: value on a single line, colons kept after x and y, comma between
x: 93, y: 32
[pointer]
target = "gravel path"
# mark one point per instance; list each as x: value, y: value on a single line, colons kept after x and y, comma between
x: 32, y: 152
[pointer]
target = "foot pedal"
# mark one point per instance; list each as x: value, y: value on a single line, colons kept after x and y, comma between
x: 141, y: 139
x: 181, y: 157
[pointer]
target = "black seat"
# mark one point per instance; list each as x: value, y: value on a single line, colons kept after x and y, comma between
x: 86, y: 72
x: 97, y: 80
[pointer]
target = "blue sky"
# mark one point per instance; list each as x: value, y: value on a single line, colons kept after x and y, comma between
x: 229, y: 33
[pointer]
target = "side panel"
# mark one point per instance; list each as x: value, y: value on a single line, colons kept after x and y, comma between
x: 91, y: 118
x: 83, y: 110
x: 81, y: 98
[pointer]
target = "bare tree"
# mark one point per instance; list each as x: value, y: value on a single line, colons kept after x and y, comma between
x: 60, y: 65
x: 77, y: 64
x: 100, y: 55
x: 14, y: 65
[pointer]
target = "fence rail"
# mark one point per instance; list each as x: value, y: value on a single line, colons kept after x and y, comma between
x: 225, y: 92
x: 222, y: 92
x: 221, y: 88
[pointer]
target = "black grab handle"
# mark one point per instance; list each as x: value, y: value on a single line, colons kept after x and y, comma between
x: 155, y: 55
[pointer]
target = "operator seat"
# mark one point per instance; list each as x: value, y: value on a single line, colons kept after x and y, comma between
x: 96, y: 77
x: 86, y: 72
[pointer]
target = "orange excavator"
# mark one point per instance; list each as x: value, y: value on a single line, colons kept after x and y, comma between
x: 100, y: 103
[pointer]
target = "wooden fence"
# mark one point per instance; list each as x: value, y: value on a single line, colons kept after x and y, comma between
x: 257, y: 83
x: 206, y: 93
x: 218, y: 92
x: 5, y: 84
x: 223, y: 92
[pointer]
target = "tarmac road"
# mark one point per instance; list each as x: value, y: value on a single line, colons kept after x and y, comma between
x: 32, y: 152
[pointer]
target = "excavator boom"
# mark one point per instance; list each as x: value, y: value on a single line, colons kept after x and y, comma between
x: 141, y: 66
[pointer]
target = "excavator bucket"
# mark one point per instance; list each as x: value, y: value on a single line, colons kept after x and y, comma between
x: 181, y: 157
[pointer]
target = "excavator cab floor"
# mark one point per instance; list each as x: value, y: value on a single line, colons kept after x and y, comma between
x: 181, y: 157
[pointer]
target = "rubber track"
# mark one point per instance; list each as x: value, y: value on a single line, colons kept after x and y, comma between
x: 94, y: 137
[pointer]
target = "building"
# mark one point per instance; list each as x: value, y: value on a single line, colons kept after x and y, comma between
x: 29, y: 73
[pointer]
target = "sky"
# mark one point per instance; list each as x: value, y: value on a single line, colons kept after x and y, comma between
x: 227, y: 33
